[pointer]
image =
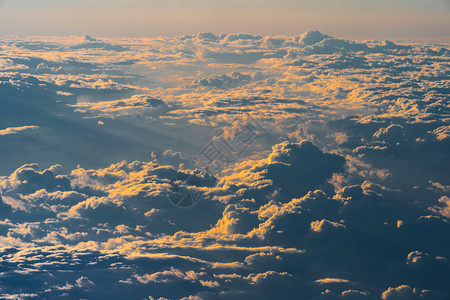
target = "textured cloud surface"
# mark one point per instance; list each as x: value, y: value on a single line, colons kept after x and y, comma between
x: 227, y: 166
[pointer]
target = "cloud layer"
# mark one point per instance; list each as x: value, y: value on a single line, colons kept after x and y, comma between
x: 227, y: 166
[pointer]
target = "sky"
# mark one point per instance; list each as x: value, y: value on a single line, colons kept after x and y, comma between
x: 182, y: 150
x: 358, y: 19
x: 231, y: 166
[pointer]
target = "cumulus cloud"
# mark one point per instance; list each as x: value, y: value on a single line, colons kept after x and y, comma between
x: 84, y: 282
x: 291, y: 166
x: 391, y: 134
x: 442, y: 133
x: 403, y: 292
x: 312, y: 37
x: 444, y: 206
x: 28, y: 179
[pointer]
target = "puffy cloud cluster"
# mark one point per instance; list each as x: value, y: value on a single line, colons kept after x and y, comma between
x: 442, y: 133
x: 245, y: 239
x: 338, y: 187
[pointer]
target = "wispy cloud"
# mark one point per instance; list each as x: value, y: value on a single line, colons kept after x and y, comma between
x: 15, y: 130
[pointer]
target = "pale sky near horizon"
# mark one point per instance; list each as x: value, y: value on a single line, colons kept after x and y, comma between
x: 359, y: 19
